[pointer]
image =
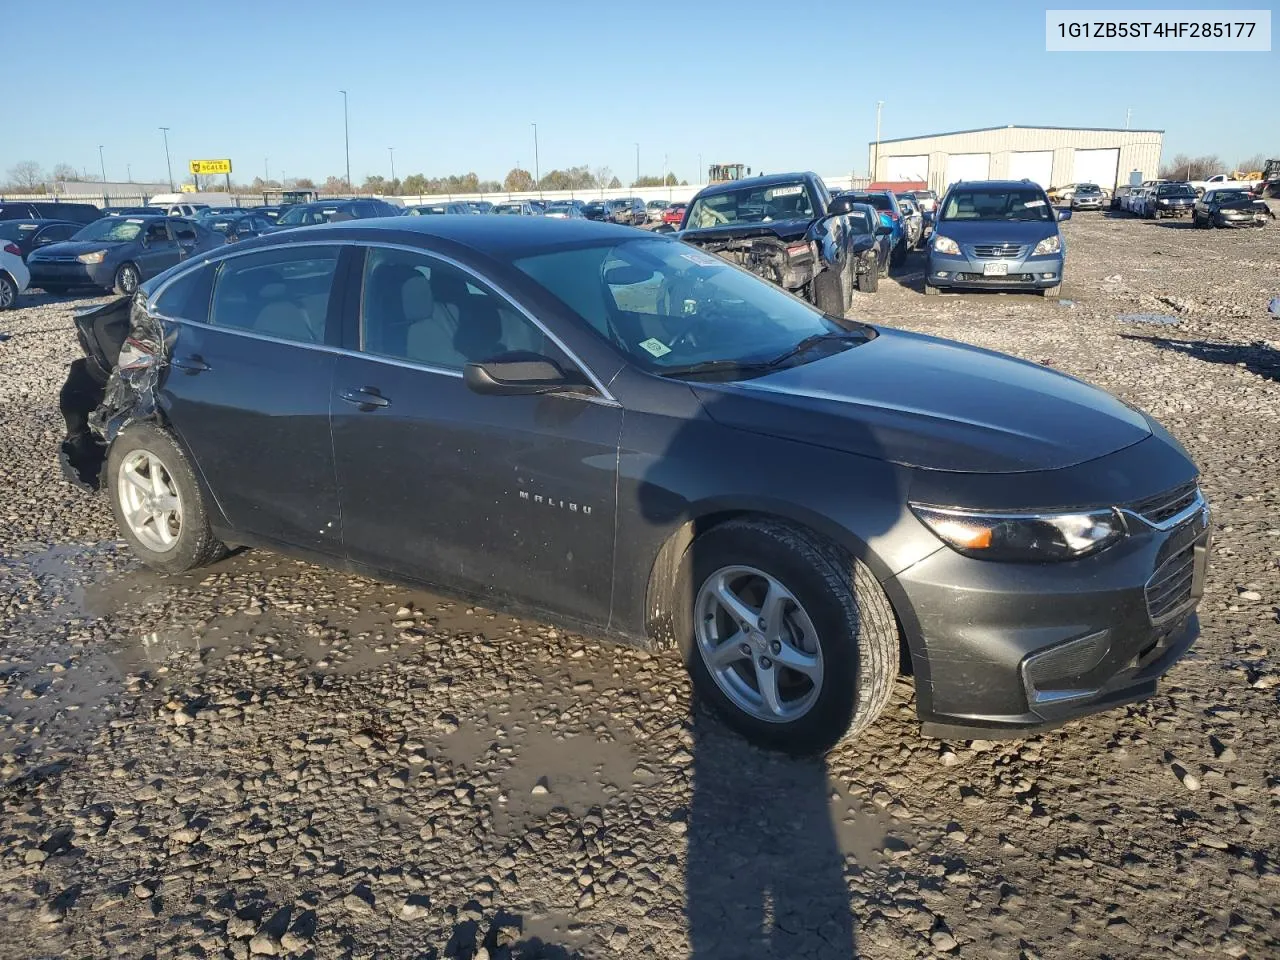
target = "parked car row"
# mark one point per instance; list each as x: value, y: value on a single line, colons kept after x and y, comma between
x: 1155, y: 200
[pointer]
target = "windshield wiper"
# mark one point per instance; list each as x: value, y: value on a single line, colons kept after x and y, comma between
x: 710, y: 367
x: 813, y: 341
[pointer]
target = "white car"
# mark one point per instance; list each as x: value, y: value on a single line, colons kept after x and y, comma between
x: 14, y: 276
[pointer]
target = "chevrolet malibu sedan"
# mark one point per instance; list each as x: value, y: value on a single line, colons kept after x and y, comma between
x: 996, y: 235
x: 623, y: 434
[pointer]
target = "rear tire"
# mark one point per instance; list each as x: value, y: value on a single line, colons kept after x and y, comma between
x: 8, y: 292
x: 828, y: 292
x: 157, y: 502
x: 834, y: 620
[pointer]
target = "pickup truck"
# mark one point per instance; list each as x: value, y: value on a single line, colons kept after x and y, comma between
x: 786, y: 228
x: 1220, y: 180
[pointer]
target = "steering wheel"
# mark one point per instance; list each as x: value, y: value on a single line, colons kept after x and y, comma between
x: 709, y: 313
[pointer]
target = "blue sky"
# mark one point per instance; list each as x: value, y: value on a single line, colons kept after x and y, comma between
x: 455, y: 87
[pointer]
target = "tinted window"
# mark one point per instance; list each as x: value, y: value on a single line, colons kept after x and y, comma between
x: 185, y: 232
x: 187, y: 298
x: 59, y: 231
x: 996, y: 203
x: 157, y: 233
x: 417, y: 308
x: 279, y: 293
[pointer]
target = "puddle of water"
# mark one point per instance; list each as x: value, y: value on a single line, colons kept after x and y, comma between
x: 1162, y: 319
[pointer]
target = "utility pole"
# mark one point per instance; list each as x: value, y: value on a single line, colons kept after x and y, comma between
x: 392, y: 151
x: 875, y: 170
x: 103, y: 164
x: 637, y: 163
x: 167, y: 165
x: 128, y: 172
x: 1128, y: 112
x: 537, y: 174
x: 266, y: 171
x: 700, y: 171
x: 346, y: 137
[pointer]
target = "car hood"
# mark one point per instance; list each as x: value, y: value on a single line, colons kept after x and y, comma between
x: 926, y: 402
x: 996, y: 231
x: 73, y: 248
x: 781, y: 229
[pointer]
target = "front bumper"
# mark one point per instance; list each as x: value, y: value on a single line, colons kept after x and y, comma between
x: 1007, y: 649
x: 1087, y: 203
x: 1250, y: 219
x: 71, y: 273
x: 968, y: 270
x: 1173, y: 210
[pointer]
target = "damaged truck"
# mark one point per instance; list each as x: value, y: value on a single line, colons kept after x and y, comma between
x: 787, y: 228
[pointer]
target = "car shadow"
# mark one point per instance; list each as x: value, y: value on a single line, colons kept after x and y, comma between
x: 1181, y: 224
x: 1257, y: 358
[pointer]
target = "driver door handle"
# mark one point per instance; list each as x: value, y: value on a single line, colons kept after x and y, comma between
x: 366, y: 398
x: 192, y: 364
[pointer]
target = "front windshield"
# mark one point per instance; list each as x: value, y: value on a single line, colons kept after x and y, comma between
x: 508, y: 209
x: 1088, y: 188
x: 669, y: 305
x: 996, y: 203
x: 1175, y: 190
x: 300, y: 216
x: 754, y: 204
x: 1227, y: 196
x: 112, y: 228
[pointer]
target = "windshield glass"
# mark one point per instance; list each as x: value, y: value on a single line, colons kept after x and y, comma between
x: 668, y: 305
x: 782, y: 201
x: 508, y: 209
x: 111, y: 228
x: 1227, y: 196
x: 996, y: 203
x: 15, y: 229
x: 1088, y: 188
x: 1175, y: 190
x: 300, y: 216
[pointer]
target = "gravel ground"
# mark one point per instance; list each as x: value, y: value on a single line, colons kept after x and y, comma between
x: 270, y: 758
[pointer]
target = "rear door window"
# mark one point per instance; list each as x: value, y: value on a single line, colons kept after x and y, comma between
x: 282, y: 293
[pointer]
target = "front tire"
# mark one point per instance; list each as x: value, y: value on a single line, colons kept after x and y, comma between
x: 869, y: 277
x: 157, y: 502
x: 828, y: 293
x: 8, y: 292
x: 1054, y: 291
x: 788, y: 636
x: 127, y: 280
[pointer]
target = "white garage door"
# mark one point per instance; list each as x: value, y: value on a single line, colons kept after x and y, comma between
x: 1033, y: 165
x: 901, y: 169
x: 968, y: 166
x: 1096, y: 166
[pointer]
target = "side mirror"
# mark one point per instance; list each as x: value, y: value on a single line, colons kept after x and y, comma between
x: 839, y: 205
x: 1064, y: 213
x: 883, y: 231
x: 517, y: 374
x: 43, y: 241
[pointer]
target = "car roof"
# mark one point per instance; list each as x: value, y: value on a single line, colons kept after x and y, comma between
x: 995, y: 183
x: 484, y: 235
x: 729, y: 186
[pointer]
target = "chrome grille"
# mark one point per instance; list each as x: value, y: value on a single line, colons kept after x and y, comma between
x: 1169, y: 589
x: 998, y: 251
x: 1162, y: 506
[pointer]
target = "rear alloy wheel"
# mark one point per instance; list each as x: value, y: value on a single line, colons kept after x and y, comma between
x: 8, y: 292
x: 157, y: 502
x: 788, y: 636
x: 127, y: 280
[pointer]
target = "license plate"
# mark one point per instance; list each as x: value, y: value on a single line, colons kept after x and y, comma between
x: 995, y: 269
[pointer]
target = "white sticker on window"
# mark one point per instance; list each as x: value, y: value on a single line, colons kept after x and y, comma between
x: 655, y: 347
x: 783, y: 192
x: 1034, y: 203
x: 701, y: 259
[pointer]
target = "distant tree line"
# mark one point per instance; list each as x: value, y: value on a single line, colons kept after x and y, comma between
x: 1183, y: 167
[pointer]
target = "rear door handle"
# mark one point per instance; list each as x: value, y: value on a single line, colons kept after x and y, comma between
x: 192, y: 364
x: 366, y: 398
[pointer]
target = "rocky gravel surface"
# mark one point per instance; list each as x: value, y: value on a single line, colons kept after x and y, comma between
x: 267, y: 758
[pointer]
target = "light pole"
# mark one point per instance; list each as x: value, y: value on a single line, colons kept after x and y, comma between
x: 637, y: 163
x: 103, y: 164
x: 392, y: 151
x: 537, y: 174
x: 128, y: 172
x: 1128, y: 112
x: 699, y: 169
x: 875, y: 170
x: 266, y: 172
x: 167, y: 165
x: 346, y: 137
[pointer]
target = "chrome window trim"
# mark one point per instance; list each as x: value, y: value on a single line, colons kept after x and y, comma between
x: 606, y: 398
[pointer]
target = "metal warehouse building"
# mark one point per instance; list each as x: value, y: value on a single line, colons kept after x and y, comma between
x: 1050, y: 156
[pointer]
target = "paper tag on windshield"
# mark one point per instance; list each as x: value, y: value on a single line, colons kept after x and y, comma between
x: 786, y: 191
x: 655, y: 347
x: 701, y: 259
x: 1034, y: 203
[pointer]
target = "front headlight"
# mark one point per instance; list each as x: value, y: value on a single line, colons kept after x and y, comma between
x: 1025, y: 538
x: 943, y: 244
x: 1047, y: 245
x: 96, y: 257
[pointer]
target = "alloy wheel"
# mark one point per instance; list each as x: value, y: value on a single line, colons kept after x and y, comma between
x: 150, y: 501
x: 758, y: 643
x: 128, y: 279
x: 8, y: 293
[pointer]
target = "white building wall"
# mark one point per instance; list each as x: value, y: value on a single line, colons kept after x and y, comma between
x: 1139, y: 150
